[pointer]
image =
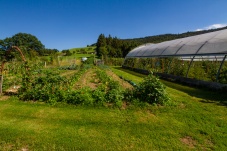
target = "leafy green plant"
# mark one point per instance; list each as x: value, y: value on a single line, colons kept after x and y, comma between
x: 81, y: 96
x: 113, y: 91
x: 151, y: 90
x: 99, y: 94
x: 48, y: 86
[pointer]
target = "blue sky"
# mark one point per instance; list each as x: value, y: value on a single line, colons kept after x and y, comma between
x: 64, y: 24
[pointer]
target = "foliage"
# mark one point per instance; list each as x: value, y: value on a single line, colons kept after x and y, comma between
x: 200, y: 70
x: 81, y: 96
x: 47, y: 85
x: 29, y: 44
x: 26, y: 42
x: 151, y: 90
x: 114, y: 61
x: 113, y: 91
x: 113, y: 47
x: 99, y: 95
x: 67, y: 52
x: 43, y: 86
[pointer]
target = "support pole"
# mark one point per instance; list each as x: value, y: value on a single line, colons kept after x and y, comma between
x: 190, y: 66
x: 169, y: 65
x: 217, y: 76
x: 1, y: 82
x: 172, y: 58
x: 194, y: 57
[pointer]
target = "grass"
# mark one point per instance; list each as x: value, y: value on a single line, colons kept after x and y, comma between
x: 76, y: 56
x: 206, y: 95
x: 83, y: 55
x: 87, y: 49
x: 195, y: 121
x: 127, y: 74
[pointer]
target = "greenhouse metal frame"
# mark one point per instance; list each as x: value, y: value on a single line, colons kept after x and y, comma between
x: 210, y: 46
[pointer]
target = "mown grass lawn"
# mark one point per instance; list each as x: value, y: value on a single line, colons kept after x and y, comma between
x: 194, y: 121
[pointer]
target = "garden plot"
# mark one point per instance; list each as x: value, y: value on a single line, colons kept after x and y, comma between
x: 90, y: 79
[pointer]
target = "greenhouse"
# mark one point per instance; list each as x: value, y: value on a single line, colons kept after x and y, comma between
x: 201, y: 57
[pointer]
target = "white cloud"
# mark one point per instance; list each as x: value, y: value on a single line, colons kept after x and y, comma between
x: 214, y: 26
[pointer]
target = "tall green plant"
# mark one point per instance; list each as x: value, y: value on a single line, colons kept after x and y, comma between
x: 151, y: 90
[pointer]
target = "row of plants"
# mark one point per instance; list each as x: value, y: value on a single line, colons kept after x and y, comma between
x: 114, y: 61
x: 113, y: 91
x: 201, y: 70
x: 47, y: 85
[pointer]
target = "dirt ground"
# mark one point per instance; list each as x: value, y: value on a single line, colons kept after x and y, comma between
x: 89, y: 79
x: 3, y: 97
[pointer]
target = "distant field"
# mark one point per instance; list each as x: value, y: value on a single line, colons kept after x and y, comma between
x: 86, y: 49
x: 83, y: 55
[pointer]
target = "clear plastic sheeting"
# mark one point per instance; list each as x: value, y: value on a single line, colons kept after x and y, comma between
x: 214, y: 43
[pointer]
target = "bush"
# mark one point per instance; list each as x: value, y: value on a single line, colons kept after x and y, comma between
x: 99, y: 95
x: 151, y: 90
x: 81, y: 96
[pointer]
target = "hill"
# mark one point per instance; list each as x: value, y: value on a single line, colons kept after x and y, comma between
x: 167, y: 37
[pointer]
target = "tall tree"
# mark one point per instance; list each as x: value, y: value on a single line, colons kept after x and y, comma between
x: 100, y: 45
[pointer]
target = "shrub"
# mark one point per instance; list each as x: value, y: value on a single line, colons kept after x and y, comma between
x: 151, y: 90
x: 81, y: 96
x: 99, y: 95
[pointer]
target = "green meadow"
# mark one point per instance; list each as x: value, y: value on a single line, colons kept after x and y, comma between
x: 195, y: 120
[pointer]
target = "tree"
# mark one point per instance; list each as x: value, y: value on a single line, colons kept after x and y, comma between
x: 67, y: 52
x: 83, y: 51
x: 26, y: 42
x: 100, y: 45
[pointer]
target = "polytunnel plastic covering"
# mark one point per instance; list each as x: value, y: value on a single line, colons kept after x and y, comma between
x: 214, y: 43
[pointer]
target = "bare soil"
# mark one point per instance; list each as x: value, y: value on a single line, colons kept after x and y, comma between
x: 187, y: 140
x: 3, y: 97
x: 90, y: 79
x: 123, y: 83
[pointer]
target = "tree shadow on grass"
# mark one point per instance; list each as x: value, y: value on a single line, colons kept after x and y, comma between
x: 207, y: 96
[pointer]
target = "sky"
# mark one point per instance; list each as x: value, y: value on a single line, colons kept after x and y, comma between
x: 65, y: 24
